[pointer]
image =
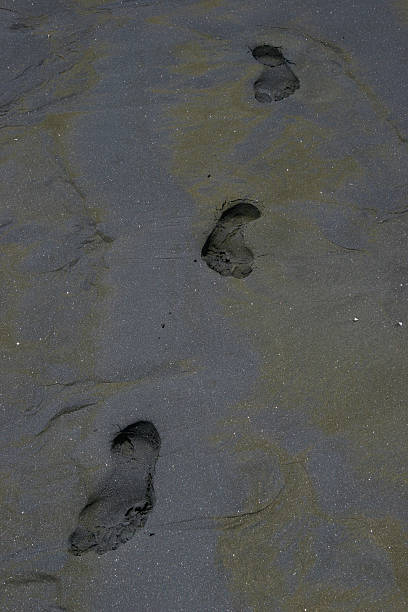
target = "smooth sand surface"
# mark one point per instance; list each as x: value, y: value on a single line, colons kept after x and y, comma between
x: 280, y: 398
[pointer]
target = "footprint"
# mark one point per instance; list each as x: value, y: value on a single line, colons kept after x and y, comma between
x: 224, y: 250
x: 277, y: 81
x: 122, y: 504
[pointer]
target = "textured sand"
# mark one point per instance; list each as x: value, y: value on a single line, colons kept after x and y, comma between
x: 125, y: 126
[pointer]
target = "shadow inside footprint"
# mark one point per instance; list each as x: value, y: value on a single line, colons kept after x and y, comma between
x: 277, y: 80
x: 121, y: 506
x: 224, y: 250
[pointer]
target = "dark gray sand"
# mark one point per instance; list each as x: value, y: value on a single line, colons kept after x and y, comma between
x: 280, y: 397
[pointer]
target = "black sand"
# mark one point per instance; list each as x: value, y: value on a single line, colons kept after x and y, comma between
x: 279, y: 396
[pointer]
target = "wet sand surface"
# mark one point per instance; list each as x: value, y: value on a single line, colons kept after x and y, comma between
x: 127, y: 129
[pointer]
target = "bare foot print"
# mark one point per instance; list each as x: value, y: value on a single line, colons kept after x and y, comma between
x: 224, y: 250
x: 121, y: 506
x: 277, y: 80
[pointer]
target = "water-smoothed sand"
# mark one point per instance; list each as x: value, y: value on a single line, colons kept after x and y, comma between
x: 127, y: 130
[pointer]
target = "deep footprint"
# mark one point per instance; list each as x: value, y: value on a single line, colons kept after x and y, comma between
x: 277, y: 81
x: 224, y: 250
x: 121, y: 506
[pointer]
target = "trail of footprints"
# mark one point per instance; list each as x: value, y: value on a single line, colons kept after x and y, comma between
x: 121, y: 505
x: 224, y: 250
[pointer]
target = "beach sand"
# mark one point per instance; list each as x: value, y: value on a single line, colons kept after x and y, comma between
x: 127, y: 129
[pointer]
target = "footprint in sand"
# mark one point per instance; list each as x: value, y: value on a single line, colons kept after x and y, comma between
x: 224, y: 250
x: 122, y: 504
x: 277, y: 80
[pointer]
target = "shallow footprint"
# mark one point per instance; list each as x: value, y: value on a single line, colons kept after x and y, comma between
x: 121, y: 506
x: 277, y: 81
x: 224, y: 250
